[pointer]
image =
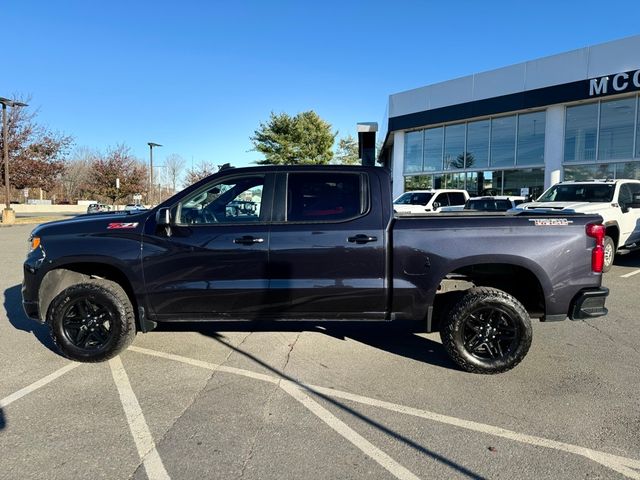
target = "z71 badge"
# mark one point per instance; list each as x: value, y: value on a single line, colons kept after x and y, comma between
x: 117, y: 226
x: 553, y: 222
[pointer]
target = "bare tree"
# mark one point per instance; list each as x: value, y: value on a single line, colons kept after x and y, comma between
x: 197, y: 173
x: 75, y: 179
x: 173, y: 167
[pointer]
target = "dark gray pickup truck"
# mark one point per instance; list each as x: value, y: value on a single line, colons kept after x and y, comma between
x: 312, y: 243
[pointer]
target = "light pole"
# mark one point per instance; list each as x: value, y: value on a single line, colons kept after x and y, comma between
x: 8, y: 215
x: 151, y: 145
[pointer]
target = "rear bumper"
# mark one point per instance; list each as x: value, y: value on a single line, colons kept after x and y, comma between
x: 589, y: 304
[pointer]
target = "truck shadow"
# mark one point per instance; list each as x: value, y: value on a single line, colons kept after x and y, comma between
x: 398, y: 339
x: 20, y: 321
x: 341, y: 331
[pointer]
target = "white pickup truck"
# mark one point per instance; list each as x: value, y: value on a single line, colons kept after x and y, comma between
x: 421, y: 201
x: 617, y: 201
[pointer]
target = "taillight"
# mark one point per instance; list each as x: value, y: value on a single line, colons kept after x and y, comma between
x: 597, y: 254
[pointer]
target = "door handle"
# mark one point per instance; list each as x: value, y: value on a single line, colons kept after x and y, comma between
x: 361, y: 239
x: 247, y: 240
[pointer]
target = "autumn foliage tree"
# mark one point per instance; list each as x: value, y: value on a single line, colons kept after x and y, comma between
x: 118, y: 163
x: 36, y: 154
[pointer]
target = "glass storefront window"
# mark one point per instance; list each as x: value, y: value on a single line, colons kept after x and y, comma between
x: 433, y: 149
x: 477, y: 144
x: 628, y: 170
x: 590, y: 172
x: 489, y: 182
x: 503, y: 141
x: 638, y: 127
x: 580, y: 133
x: 531, y: 178
x: 418, y: 182
x: 454, y: 180
x: 471, y: 183
x: 413, y: 151
x: 454, y: 146
x: 617, y: 118
x: 531, y: 138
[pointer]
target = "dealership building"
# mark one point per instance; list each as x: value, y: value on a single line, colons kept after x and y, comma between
x: 521, y: 128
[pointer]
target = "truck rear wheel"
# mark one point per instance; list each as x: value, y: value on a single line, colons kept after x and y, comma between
x: 609, y: 254
x: 92, y: 321
x: 487, y: 331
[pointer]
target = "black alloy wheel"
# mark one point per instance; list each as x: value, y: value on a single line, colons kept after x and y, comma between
x: 92, y: 321
x: 490, y: 333
x: 86, y: 323
x: 487, y: 331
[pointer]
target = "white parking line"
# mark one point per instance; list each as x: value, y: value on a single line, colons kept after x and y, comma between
x: 296, y: 392
x: 620, y: 464
x: 630, y: 274
x: 137, y: 424
x: 36, y: 385
x: 617, y: 463
x: 343, y: 429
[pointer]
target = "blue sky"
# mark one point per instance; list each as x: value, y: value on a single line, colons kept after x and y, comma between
x: 199, y: 76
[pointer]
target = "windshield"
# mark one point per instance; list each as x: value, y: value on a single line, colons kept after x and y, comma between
x: 414, y: 198
x: 579, y: 192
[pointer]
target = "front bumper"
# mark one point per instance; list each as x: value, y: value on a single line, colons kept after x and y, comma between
x: 589, y: 304
x: 30, y: 286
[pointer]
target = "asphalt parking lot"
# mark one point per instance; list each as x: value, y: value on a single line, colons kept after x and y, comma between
x: 301, y: 401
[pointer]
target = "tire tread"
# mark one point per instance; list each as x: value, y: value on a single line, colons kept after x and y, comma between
x: 473, y: 296
x: 127, y: 332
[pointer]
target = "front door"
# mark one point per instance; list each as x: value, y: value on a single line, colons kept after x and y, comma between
x: 630, y: 218
x: 213, y: 264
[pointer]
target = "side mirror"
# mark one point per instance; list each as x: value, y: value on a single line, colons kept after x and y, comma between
x: 163, y: 217
x: 436, y: 205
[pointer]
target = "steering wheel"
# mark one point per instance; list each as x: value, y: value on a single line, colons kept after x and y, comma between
x: 208, y: 216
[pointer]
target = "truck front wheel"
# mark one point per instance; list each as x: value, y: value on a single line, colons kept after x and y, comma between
x: 92, y: 321
x: 487, y: 331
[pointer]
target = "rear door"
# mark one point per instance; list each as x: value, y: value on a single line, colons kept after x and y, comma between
x: 327, y: 247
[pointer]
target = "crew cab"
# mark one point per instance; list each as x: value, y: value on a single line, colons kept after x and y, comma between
x: 616, y: 201
x: 435, y: 200
x: 312, y: 243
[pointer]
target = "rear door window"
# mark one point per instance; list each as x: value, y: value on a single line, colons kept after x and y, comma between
x: 457, y: 198
x: 325, y: 197
x: 441, y: 200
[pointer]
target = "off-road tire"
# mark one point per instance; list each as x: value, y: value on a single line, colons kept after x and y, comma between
x: 473, y: 314
x: 121, y: 320
x: 608, y: 244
